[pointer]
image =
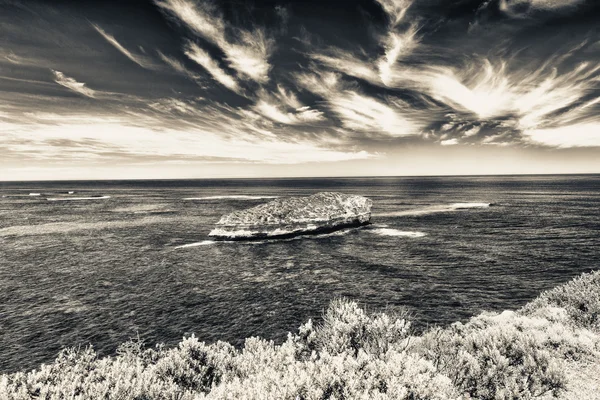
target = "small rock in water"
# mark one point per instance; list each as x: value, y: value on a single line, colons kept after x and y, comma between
x: 320, y: 213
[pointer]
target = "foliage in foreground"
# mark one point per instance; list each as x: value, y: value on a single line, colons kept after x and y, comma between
x: 351, y: 355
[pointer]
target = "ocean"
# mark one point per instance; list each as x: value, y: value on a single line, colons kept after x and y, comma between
x: 115, y: 260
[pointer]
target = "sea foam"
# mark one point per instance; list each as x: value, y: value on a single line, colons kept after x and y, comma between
x: 232, y: 197
x: 442, y: 208
x: 396, y: 232
x: 77, y: 198
x: 196, y: 244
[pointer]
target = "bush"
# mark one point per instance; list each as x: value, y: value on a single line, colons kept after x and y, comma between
x: 495, y: 361
x: 580, y: 297
x: 347, y: 327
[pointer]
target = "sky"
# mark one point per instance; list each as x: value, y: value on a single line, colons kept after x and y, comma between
x: 159, y: 89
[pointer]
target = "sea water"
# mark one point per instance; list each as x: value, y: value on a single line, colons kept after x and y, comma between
x: 101, y: 262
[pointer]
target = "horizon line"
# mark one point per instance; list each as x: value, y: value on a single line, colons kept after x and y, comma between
x: 300, y: 177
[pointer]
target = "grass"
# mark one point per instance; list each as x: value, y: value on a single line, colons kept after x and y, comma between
x: 548, y: 349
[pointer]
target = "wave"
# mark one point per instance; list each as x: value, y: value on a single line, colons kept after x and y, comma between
x: 396, y: 232
x: 434, y: 209
x: 342, y: 232
x: 232, y: 197
x: 77, y: 198
x: 196, y: 244
x: 459, y: 206
x: 159, y: 208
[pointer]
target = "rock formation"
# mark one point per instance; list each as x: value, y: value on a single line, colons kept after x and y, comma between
x: 286, y: 217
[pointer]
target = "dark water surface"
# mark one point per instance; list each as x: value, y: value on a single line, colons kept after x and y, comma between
x: 104, y: 270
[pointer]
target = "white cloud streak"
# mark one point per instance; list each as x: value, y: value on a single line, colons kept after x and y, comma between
x: 396, y: 44
x: 531, y: 96
x: 110, y: 137
x: 284, y: 107
x: 577, y: 135
x: 449, y: 142
x: 202, y: 58
x: 139, y: 60
x: 516, y: 8
x: 359, y: 112
x: 248, y: 54
x: 177, y: 66
x: 362, y: 113
x: 72, y: 84
x: 395, y: 9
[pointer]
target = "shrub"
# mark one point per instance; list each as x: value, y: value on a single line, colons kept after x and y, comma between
x: 580, y: 297
x: 195, y: 366
x: 347, y: 327
x: 490, y: 360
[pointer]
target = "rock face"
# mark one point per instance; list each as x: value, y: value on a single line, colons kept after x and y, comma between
x: 320, y: 213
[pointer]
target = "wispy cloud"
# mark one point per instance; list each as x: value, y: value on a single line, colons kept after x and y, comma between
x: 449, y: 142
x: 362, y: 113
x: 72, y: 84
x: 201, y: 57
x: 525, y: 7
x: 322, y: 83
x: 177, y: 66
x: 138, y: 59
x: 530, y: 96
x: 284, y: 107
x: 348, y: 63
x: 299, y: 116
x: 247, y: 52
x: 109, y: 138
x: 576, y: 135
x: 395, y: 9
x: 357, y: 111
x: 396, y: 44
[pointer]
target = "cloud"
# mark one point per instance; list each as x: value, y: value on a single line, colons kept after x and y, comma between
x: 524, y: 7
x: 288, y: 98
x: 322, y: 83
x: 284, y: 107
x: 271, y: 111
x: 248, y: 53
x: 396, y: 46
x: 171, y: 105
x: 178, y: 66
x: 395, y: 9
x: 362, y: 113
x: 72, y: 84
x: 139, y: 60
x: 531, y: 96
x: 472, y: 131
x: 349, y: 64
x: 480, y: 89
x: 97, y: 139
x: 300, y: 116
x: 201, y: 57
x: 449, y: 142
x: 578, y: 135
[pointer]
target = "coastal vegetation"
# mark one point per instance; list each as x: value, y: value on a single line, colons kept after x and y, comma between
x: 550, y: 348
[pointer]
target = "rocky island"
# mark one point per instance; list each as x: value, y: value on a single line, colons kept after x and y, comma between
x: 287, y: 217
